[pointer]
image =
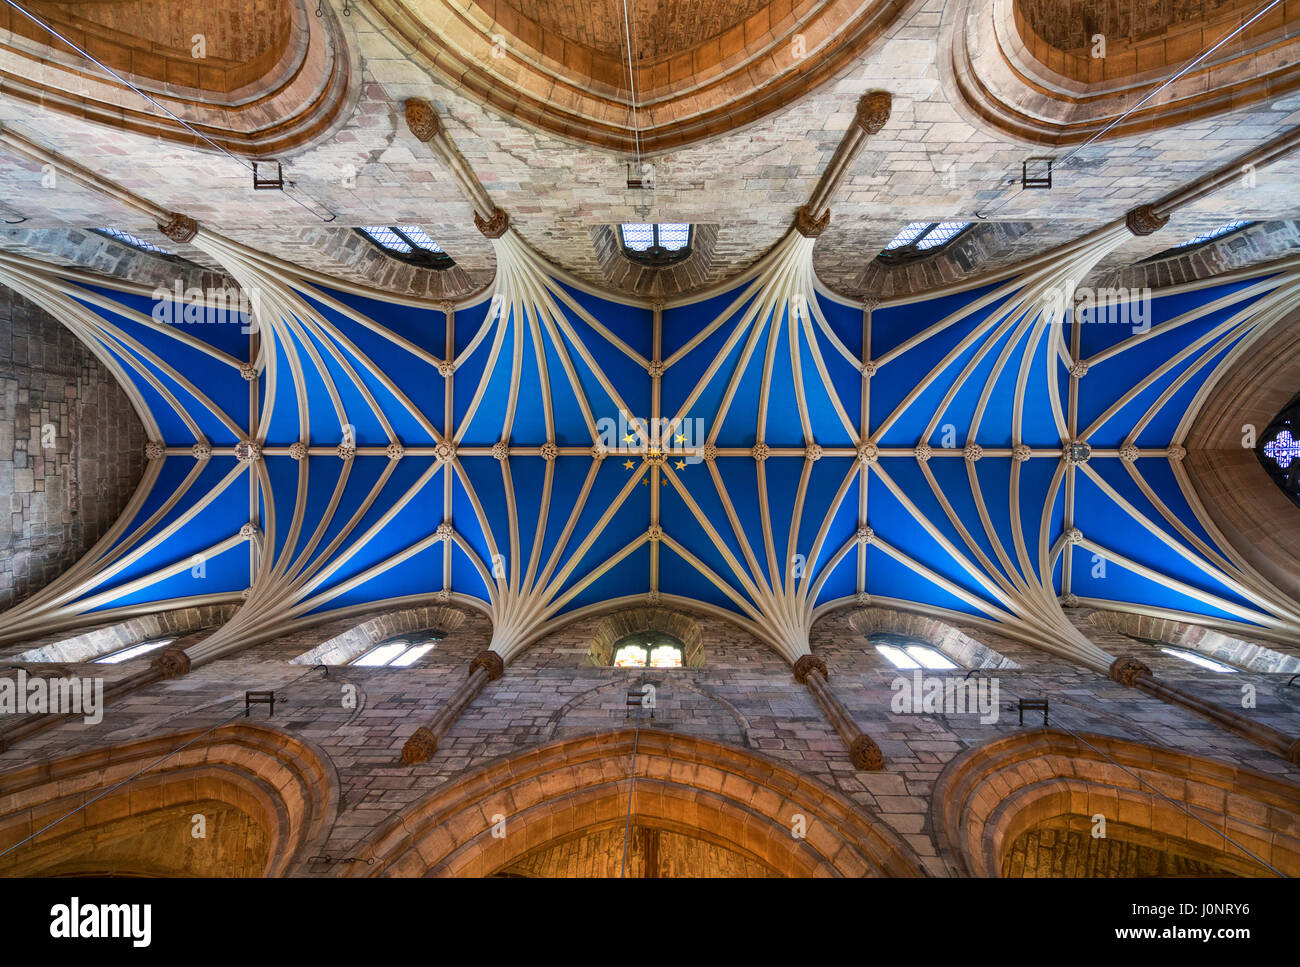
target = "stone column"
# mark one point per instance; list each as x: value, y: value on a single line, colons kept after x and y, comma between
x: 863, y: 751
x: 487, y: 666
x: 172, y: 662
x: 1135, y: 674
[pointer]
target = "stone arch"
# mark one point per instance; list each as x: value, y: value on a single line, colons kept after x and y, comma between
x: 1245, y: 248
x: 557, y: 67
x: 981, y: 249
x: 273, y: 78
x: 186, y: 625
x: 1240, y: 499
x: 557, y: 718
x: 689, y: 786
x: 269, y: 799
x: 695, y: 271
x: 1028, y: 71
x: 950, y: 640
x: 1236, y: 651
x: 342, y: 648
x: 1045, y: 779
x: 633, y: 621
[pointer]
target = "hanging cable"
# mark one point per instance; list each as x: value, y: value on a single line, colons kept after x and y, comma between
x: 631, y: 789
x: 1150, y: 94
x: 160, y: 106
x: 631, y: 81
x: 1173, y: 802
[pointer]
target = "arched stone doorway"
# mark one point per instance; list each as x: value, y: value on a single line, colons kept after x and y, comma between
x: 1027, y: 805
x: 698, y: 808
x: 266, y: 799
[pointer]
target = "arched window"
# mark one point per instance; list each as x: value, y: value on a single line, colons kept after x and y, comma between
x: 1279, y: 450
x: 922, y: 238
x: 1198, y: 659
x: 655, y: 244
x: 1200, y: 239
x: 649, y: 649
x: 409, y: 243
x: 1192, y: 657
x: 909, y: 653
x: 128, y: 239
x: 399, y: 652
x: 132, y: 651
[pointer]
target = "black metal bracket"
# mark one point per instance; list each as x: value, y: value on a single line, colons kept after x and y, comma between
x: 1033, y: 705
x: 268, y: 184
x: 258, y: 698
x: 636, y: 699
x: 1040, y: 177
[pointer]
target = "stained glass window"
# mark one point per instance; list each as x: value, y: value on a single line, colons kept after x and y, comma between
x: 410, y: 243
x: 630, y: 656
x: 128, y: 239
x: 1282, y: 449
x: 1279, y: 447
x: 656, y: 244
x: 922, y: 238
x: 134, y: 651
x: 909, y: 654
x: 649, y: 649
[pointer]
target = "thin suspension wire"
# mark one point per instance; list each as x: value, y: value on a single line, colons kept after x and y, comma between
x: 1173, y: 802
x: 145, y: 768
x: 159, y: 105
x: 631, y: 80
x: 1150, y: 94
x: 631, y: 789
x: 1176, y: 803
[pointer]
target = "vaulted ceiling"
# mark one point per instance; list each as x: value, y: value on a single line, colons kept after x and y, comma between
x: 972, y: 453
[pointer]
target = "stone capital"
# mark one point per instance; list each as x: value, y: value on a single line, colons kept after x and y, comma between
x: 420, y: 746
x: 806, y: 664
x: 1143, y: 220
x: 866, y: 755
x: 495, y: 226
x: 172, y: 662
x: 1127, y: 671
x: 873, y: 111
x: 808, y: 226
x: 421, y: 118
x: 490, y: 662
x: 179, y: 228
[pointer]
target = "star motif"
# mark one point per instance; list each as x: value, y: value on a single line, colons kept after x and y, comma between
x: 681, y: 438
x: 680, y: 465
x: 628, y: 465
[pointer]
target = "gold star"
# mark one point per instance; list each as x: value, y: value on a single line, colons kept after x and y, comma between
x: 645, y: 481
x: 681, y: 438
x: 680, y: 464
x: 628, y: 464
x: 629, y: 438
x: 663, y: 481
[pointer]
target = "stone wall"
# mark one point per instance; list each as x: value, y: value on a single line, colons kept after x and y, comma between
x: 59, y: 499
x: 743, y: 696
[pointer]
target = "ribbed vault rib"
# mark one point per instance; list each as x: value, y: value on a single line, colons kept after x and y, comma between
x: 543, y: 450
